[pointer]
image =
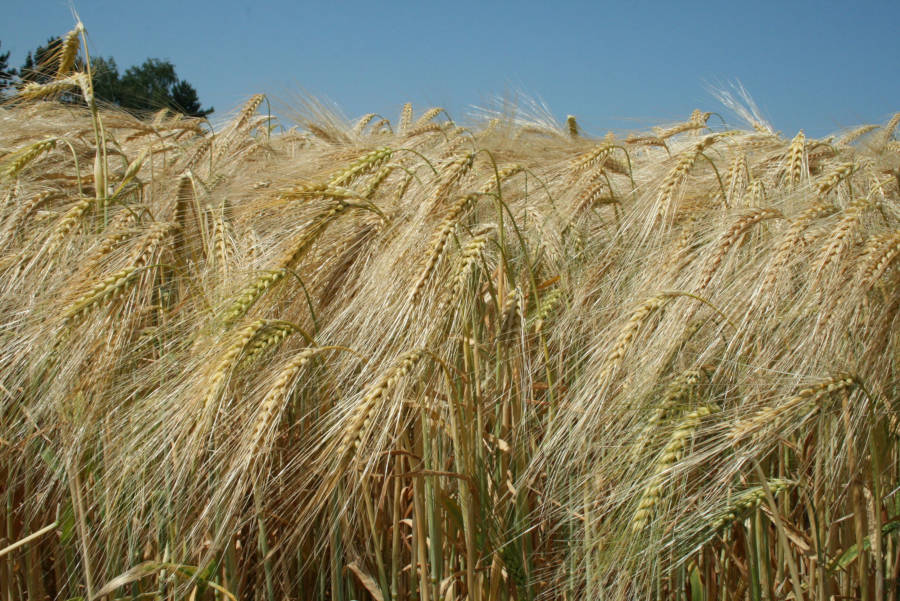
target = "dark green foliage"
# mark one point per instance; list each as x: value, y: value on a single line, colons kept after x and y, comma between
x: 6, y: 74
x: 41, y: 65
x: 151, y: 86
x: 105, y: 75
x: 154, y: 85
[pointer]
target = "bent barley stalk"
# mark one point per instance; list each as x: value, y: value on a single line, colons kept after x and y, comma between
x: 671, y: 454
x: 677, y: 175
x: 438, y: 242
x: 615, y: 356
x: 104, y: 290
x: 808, y: 398
x: 70, y: 46
x: 794, y: 166
x: 20, y: 160
x: 731, y: 237
x: 360, y: 419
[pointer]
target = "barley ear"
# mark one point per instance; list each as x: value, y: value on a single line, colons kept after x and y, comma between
x: 70, y: 46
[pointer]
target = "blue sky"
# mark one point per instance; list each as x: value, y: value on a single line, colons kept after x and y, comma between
x: 615, y: 65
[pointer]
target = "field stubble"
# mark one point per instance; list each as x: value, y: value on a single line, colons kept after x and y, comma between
x: 504, y: 361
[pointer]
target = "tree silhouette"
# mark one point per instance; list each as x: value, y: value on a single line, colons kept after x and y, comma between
x: 148, y: 87
x: 41, y: 65
x: 6, y: 74
x: 154, y: 85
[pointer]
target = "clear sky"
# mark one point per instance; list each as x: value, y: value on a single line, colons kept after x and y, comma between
x: 615, y: 65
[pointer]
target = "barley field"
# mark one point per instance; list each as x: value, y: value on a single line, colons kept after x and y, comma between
x: 406, y: 359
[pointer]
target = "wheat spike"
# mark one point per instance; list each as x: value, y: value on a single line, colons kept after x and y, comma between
x: 37, y: 91
x: 614, y: 358
x: 71, y: 43
x: 795, y: 159
x: 274, y: 398
x: 808, y: 398
x: 144, y: 251
x: 471, y: 254
x: 275, y: 332
x: 228, y: 360
x: 406, y: 116
x: 456, y: 171
x: 835, y: 176
x: 791, y: 240
x: 747, y: 500
x: 737, y: 171
x: 104, y: 290
x: 590, y: 158
x: 438, y: 242
x: 361, y: 417
x: 671, y: 454
x: 250, y: 294
x: 363, y: 122
x: 731, y: 237
x: 695, y: 123
x: 428, y: 116
x: 501, y: 176
x: 22, y: 158
x: 674, y: 178
x: 69, y: 220
x: 366, y: 164
x: 547, y: 305
x: 839, y: 235
x: 888, y: 134
x: 880, y: 253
